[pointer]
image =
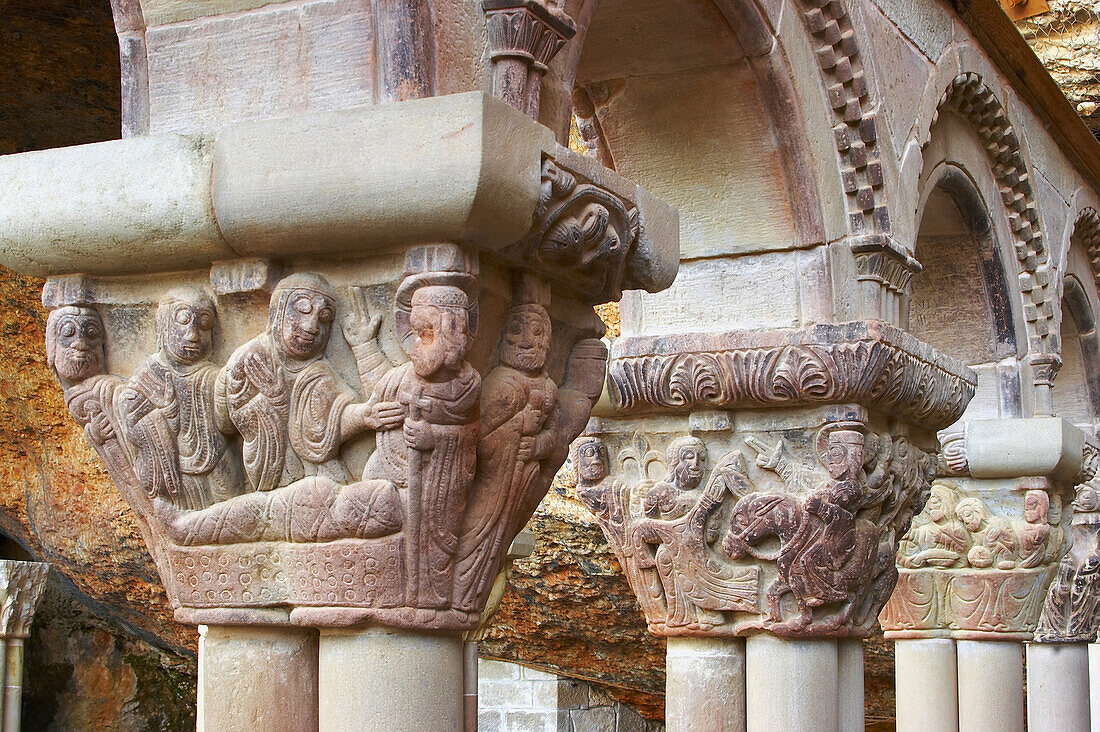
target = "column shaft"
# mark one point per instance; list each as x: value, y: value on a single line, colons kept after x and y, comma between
x: 791, y: 684
x: 1094, y: 685
x: 1058, y: 687
x: 926, y: 685
x: 469, y: 686
x: 705, y: 684
x: 13, y: 684
x: 257, y: 677
x: 850, y: 685
x: 991, y: 686
x: 384, y: 680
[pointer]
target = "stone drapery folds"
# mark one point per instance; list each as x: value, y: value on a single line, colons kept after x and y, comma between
x: 356, y: 438
x: 750, y: 481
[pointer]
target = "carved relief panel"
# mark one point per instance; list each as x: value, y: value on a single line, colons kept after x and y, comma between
x: 978, y: 560
x: 368, y: 454
x: 732, y: 523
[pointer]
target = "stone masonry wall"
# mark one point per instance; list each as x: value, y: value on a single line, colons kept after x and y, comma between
x: 514, y: 698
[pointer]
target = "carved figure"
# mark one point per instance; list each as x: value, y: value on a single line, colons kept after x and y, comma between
x: 76, y: 355
x: 1071, y: 613
x: 519, y: 426
x: 608, y: 499
x: 993, y: 540
x: 294, y: 412
x: 938, y: 538
x: 696, y: 584
x: 1034, y: 531
x: 170, y: 414
x: 582, y: 233
x: 429, y: 451
x: 826, y: 553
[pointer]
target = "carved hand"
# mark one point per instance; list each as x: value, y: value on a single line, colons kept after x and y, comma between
x: 101, y: 428
x: 418, y: 434
x: 526, y: 449
x: 358, y: 333
x: 385, y: 416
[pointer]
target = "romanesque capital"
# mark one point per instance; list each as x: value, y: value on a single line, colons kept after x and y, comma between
x: 524, y: 36
x: 21, y: 586
x: 761, y: 481
x: 341, y: 436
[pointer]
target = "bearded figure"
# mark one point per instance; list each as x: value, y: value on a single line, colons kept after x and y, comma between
x: 519, y: 425
x: 170, y: 409
x: 430, y: 451
x: 294, y: 412
x: 673, y: 497
x: 75, y: 354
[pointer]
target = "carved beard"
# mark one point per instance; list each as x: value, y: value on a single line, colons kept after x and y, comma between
x: 525, y: 359
x: 685, y: 480
x: 591, y: 469
x: 448, y: 343
x: 75, y: 366
x: 580, y: 238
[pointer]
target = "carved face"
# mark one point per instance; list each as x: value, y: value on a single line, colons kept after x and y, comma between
x: 935, y: 508
x: 844, y: 456
x: 441, y: 339
x: 187, y: 332
x: 689, y: 464
x: 305, y: 324
x: 526, y: 339
x: 1036, y: 506
x: 971, y: 513
x: 77, y: 335
x: 591, y: 462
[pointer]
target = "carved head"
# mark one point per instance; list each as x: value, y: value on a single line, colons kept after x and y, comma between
x: 941, y: 503
x: 303, y: 307
x: 440, y: 323
x: 687, y: 460
x: 74, y: 344
x: 844, y: 454
x: 1036, y: 507
x: 586, y: 369
x: 590, y: 459
x: 1087, y: 499
x: 525, y: 341
x: 185, y: 323
x: 971, y: 512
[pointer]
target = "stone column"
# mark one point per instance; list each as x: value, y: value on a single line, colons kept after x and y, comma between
x: 991, y: 686
x: 754, y: 484
x: 975, y: 567
x: 705, y: 684
x: 21, y: 586
x: 334, y: 359
x: 257, y: 677
x: 1058, y: 662
x: 926, y: 685
x: 387, y: 680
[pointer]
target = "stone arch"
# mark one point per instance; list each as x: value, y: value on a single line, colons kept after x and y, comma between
x: 1076, y: 391
x: 970, y: 99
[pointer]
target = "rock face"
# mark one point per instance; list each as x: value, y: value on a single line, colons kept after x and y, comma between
x: 1067, y: 41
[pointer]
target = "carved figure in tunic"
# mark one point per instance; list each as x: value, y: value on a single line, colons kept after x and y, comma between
x: 938, y: 538
x: 993, y: 540
x: 826, y: 553
x: 608, y: 499
x: 519, y: 426
x: 294, y: 412
x: 76, y: 355
x: 1034, y: 531
x: 430, y: 451
x: 696, y: 584
x: 170, y: 409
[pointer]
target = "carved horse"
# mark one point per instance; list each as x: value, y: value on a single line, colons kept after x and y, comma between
x: 812, y: 562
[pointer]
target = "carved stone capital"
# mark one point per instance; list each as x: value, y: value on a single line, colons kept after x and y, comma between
x: 359, y: 441
x: 977, y: 561
x: 1071, y: 612
x: 735, y: 523
x: 21, y: 586
x: 524, y: 36
x: 869, y: 363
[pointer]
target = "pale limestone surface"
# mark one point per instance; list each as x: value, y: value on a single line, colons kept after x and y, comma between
x: 926, y: 686
x: 705, y: 684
